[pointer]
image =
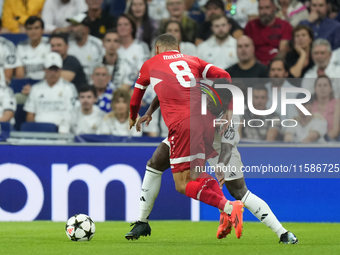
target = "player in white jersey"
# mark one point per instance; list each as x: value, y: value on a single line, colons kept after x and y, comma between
x: 7, y: 60
x: 225, y: 145
x: 86, y: 48
x: 87, y: 117
x: 52, y: 100
x: 31, y: 52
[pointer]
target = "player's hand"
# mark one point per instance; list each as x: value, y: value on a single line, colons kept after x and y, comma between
x: 220, y: 176
x: 221, y: 182
x: 141, y: 120
x: 227, y: 116
x: 132, y: 122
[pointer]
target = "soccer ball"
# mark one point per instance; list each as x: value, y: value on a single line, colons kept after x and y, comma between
x: 80, y: 227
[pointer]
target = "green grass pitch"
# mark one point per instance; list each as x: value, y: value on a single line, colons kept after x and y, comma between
x: 168, y: 237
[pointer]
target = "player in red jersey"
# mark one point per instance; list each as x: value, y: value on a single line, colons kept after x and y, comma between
x: 191, y: 136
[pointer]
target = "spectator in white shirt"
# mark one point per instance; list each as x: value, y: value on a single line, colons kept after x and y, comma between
x: 219, y: 49
x: 121, y: 74
x: 87, y: 49
x: 87, y: 117
x: 132, y: 50
x: 8, y: 60
x: 117, y: 122
x: 321, y: 54
x: 309, y: 128
x: 278, y: 72
x: 8, y: 104
x: 31, y: 52
x: 55, y: 13
x: 52, y: 100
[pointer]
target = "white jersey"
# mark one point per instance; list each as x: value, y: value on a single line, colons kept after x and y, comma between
x: 52, y: 104
x: 7, y: 58
x: 112, y: 126
x: 55, y: 13
x: 7, y: 101
x: 317, y: 124
x: 90, y: 55
x: 157, y: 10
x: 86, y: 124
x: 32, y: 59
x: 244, y: 9
x: 135, y: 56
x: 121, y: 73
x: 222, y: 56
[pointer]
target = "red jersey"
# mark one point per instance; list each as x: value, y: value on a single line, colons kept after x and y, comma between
x: 171, y: 74
x: 267, y: 38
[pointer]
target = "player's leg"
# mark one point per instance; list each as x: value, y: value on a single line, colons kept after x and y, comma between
x: 155, y: 167
x: 235, y: 183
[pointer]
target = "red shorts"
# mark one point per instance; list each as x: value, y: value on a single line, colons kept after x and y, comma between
x: 191, y: 142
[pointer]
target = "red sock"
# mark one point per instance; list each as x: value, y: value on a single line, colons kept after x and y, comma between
x: 212, y: 183
x: 199, y: 190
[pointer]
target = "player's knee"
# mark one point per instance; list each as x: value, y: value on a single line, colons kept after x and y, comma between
x: 238, y: 194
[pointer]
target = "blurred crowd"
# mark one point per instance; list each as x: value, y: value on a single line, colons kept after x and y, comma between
x: 85, y: 56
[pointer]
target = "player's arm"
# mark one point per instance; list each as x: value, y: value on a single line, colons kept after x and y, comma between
x: 148, y: 114
x: 209, y: 71
x: 141, y: 85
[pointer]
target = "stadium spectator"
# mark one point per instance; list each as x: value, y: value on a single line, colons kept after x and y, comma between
x: 242, y: 10
x: 321, y: 55
x: 120, y: 72
x: 31, y: 52
x: 157, y: 10
x: 220, y: 49
x: 270, y: 34
x: 176, y: 9
x: 85, y: 47
x: 278, y: 72
x: 132, y: 50
x: 99, y: 21
x: 215, y: 7
x: 326, y: 105
x: 55, y: 13
x: 322, y: 26
x: 292, y: 11
x: 146, y: 27
x: 104, y: 88
x: 175, y: 28
x: 72, y: 69
x: 8, y: 104
x: 8, y: 60
x: 117, y: 121
x: 87, y: 117
x: 299, y: 59
x: 52, y: 100
x: 16, y: 12
x: 270, y: 130
x: 247, y: 66
x: 309, y: 128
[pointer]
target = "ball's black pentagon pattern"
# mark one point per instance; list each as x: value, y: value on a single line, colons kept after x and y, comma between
x: 80, y: 227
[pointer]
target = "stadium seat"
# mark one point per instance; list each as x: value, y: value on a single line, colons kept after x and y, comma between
x: 15, y: 38
x: 39, y: 127
x: 18, y: 84
x: 5, y: 126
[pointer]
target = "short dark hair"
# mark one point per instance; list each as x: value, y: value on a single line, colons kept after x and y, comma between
x: 132, y: 23
x: 167, y: 40
x: 260, y: 87
x: 62, y: 36
x: 279, y: 59
x: 86, y: 88
x: 111, y: 30
x: 304, y: 27
x: 31, y: 20
x: 217, y: 3
x: 217, y: 17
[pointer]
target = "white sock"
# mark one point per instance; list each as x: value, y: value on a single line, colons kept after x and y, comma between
x: 261, y: 210
x: 150, y: 189
x: 228, y: 208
